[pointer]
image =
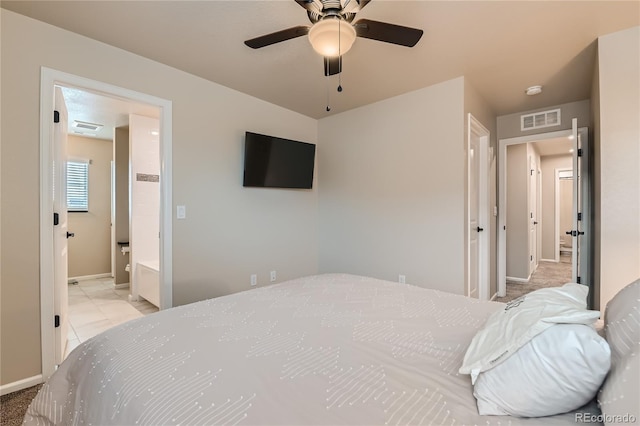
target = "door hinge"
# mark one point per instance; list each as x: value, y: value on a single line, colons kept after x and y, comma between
x: 56, y: 116
x: 56, y: 321
x: 579, y: 216
x: 56, y: 219
x: 578, y: 280
x: 579, y: 152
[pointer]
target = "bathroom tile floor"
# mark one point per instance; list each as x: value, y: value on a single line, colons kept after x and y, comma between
x: 95, y: 306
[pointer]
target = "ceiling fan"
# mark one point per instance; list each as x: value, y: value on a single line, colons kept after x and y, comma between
x: 333, y: 31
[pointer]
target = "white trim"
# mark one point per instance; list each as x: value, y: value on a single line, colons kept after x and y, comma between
x: 91, y: 277
x: 121, y: 285
x: 474, y: 127
x: 20, y: 384
x: 519, y: 280
x: 48, y: 79
x: 549, y: 260
x: 502, y: 198
x: 494, y: 297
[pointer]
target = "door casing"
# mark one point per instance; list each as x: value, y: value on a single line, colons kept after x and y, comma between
x: 49, y: 78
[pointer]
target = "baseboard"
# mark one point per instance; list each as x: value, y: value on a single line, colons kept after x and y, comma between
x: 90, y: 277
x: 122, y: 285
x: 549, y: 260
x: 493, y: 298
x: 21, y: 384
x: 519, y: 280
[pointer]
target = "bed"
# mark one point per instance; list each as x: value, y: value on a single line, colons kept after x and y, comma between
x: 328, y: 349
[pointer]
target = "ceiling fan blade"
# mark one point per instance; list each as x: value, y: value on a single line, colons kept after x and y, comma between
x: 389, y: 33
x: 332, y: 65
x: 353, y: 6
x: 277, y: 37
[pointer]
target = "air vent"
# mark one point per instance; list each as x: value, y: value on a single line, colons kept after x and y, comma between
x: 86, y: 126
x: 539, y: 120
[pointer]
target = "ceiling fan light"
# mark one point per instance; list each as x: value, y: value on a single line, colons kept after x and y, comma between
x: 332, y: 37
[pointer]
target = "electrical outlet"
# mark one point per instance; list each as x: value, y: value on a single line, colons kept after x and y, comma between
x: 273, y: 276
x: 402, y: 279
x: 254, y: 279
x: 181, y: 212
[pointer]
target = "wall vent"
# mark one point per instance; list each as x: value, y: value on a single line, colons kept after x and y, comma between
x: 538, y: 120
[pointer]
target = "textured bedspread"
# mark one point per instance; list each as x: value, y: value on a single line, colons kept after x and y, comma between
x: 328, y: 349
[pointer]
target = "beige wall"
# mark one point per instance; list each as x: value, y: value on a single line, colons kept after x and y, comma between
x: 90, y: 248
x: 121, y: 158
x: 230, y: 232
x: 517, y: 212
x: 476, y: 105
x: 391, y: 197
x: 549, y: 164
x: 619, y: 151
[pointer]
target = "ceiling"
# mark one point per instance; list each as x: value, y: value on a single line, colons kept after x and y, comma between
x: 554, y: 146
x: 108, y: 113
x: 501, y: 47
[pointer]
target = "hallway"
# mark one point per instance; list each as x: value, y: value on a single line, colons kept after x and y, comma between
x: 548, y: 274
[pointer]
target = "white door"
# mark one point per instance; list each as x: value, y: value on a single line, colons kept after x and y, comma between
x: 581, y: 210
x: 478, y: 220
x: 533, y: 215
x: 474, y: 210
x: 60, y: 231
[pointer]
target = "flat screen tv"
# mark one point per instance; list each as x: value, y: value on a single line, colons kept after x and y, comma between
x: 277, y: 163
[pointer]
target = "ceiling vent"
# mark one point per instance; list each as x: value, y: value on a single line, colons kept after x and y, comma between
x: 539, y: 120
x: 86, y: 126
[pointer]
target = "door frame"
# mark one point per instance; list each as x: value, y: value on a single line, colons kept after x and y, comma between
x: 474, y: 127
x: 502, y: 197
x: 502, y: 194
x: 49, y: 78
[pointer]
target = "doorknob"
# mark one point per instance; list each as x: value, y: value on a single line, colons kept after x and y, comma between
x: 535, y: 223
x: 479, y: 229
x: 70, y: 235
x: 573, y: 233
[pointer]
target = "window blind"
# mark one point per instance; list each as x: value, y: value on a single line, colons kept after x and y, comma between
x: 78, y: 186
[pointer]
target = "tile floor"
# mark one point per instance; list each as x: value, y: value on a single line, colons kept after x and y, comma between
x: 95, y: 306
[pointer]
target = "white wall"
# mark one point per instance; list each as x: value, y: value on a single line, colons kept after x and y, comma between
x: 230, y: 232
x: 144, y: 224
x: 391, y: 198
x: 618, y: 145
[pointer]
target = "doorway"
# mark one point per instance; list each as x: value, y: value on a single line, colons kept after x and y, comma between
x: 52, y: 305
x: 98, y: 282
x: 571, y: 147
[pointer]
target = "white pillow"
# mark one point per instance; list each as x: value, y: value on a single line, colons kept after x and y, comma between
x: 521, y: 320
x: 558, y: 371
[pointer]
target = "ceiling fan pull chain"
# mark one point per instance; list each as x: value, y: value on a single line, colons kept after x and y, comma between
x: 328, y: 95
x: 339, y: 57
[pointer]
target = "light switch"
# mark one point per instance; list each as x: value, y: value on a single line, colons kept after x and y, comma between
x: 181, y: 212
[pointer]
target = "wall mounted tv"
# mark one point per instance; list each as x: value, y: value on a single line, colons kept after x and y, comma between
x: 277, y: 163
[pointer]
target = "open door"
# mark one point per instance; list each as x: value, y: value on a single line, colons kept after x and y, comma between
x: 581, y: 272
x: 60, y: 228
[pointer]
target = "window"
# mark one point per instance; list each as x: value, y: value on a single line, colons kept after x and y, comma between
x: 78, y: 186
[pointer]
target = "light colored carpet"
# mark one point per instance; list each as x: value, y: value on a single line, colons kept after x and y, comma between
x: 548, y: 274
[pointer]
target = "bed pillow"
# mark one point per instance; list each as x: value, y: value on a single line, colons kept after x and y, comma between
x: 559, y: 370
x: 619, y: 396
x: 521, y: 320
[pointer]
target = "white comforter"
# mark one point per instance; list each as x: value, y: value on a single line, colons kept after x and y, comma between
x: 329, y: 349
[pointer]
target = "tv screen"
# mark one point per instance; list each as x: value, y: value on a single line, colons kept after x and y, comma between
x: 277, y: 163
